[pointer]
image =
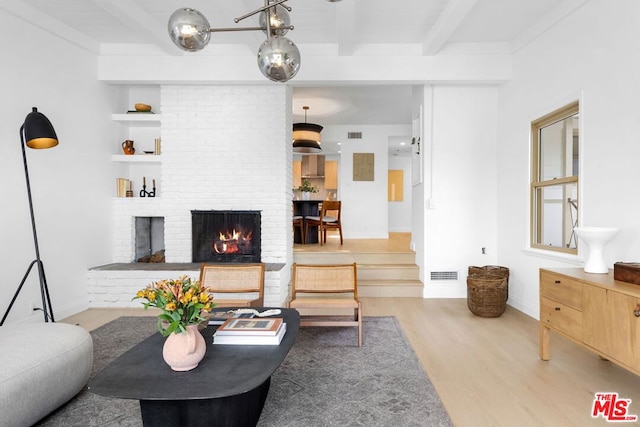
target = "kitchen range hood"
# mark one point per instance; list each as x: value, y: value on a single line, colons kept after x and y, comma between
x: 312, y: 166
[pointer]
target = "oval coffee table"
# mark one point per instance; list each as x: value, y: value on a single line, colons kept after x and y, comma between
x: 228, y: 388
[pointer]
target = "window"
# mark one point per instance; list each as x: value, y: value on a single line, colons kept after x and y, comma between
x: 554, y: 180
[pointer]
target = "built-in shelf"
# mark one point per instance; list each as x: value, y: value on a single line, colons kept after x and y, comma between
x: 137, y: 117
x: 136, y: 158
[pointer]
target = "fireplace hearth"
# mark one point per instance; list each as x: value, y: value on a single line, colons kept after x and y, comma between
x: 226, y: 236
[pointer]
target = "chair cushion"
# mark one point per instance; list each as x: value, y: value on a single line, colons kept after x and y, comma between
x: 314, y: 302
x: 325, y: 219
x: 233, y: 302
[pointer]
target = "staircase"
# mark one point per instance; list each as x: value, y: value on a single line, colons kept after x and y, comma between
x: 385, y: 268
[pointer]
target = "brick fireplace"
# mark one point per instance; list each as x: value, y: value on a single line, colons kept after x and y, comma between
x: 224, y: 148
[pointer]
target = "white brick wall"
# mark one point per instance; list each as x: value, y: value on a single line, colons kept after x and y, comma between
x: 223, y: 148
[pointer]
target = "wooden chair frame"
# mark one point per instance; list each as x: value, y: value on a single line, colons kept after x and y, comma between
x: 323, y: 224
x: 237, y: 279
x: 327, y: 287
x: 298, y: 222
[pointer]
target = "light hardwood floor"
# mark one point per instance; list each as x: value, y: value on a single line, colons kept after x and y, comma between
x: 487, y: 371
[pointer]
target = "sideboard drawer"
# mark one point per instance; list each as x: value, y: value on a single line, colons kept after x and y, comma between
x: 561, y: 289
x: 561, y: 317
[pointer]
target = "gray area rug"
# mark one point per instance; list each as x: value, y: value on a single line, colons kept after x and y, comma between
x: 325, y: 381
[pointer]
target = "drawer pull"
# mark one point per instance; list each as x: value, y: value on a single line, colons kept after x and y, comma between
x: 557, y: 282
x: 636, y: 312
x: 558, y: 309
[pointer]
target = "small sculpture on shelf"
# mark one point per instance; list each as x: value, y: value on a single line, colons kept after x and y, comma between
x: 144, y: 192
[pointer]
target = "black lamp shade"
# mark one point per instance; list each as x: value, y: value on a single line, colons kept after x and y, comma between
x: 306, y: 138
x: 38, y: 131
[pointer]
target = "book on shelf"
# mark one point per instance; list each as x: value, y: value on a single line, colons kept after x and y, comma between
x: 256, y: 326
x: 251, y: 339
x: 219, y: 316
x: 122, y: 186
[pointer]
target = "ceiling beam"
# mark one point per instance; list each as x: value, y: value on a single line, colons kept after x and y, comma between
x: 550, y: 19
x: 41, y: 20
x: 449, y: 20
x: 346, y: 26
x: 135, y: 17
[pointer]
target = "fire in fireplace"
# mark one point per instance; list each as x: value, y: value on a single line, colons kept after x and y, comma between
x: 225, y: 236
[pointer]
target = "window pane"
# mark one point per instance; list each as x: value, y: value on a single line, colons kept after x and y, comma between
x: 559, y: 149
x: 556, y: 207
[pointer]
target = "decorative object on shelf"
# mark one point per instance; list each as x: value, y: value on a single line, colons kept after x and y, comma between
x: 128, y: 148
x: 142, y: 108
x: 596, y: 238
x: 144, y: 192
x: 123, y: 187
x: 157, y: 146
x: 38, y: 132
x: 306, y: 189
x: 184, y: 304
x: 306, y: 136
x: 278, y: 57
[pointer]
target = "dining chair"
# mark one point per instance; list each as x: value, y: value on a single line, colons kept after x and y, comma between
x: 234, y: 285
x: 329, y: 219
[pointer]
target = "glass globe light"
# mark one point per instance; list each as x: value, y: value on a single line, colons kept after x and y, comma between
x: 189, y: 29
x: 280, y: 21
x: 278, y: 59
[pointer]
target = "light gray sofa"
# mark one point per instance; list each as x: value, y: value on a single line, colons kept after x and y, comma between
x: 42, y: 366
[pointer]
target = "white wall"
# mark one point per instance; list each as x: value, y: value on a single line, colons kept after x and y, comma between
x: 71, y: 183
x: 365, y: 212
x: 461, y: 182
x: 591, y: 54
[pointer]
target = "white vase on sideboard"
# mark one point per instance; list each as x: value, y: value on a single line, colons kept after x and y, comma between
x: 596, y: 238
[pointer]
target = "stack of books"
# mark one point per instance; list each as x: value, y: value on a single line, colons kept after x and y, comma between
x: 256, y: 331
x: 123, y: 185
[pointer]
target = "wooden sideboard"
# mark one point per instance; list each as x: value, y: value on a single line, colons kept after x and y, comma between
x: 595, y: 311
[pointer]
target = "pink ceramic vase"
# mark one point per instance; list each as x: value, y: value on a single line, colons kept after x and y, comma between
x: 183, y: 351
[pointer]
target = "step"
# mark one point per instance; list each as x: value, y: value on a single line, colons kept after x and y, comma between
x: 390, y: 288
x: 388, y: 272
x: 337, y: 257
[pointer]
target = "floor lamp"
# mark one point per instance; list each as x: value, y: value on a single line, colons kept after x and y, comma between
x: 38, y: 133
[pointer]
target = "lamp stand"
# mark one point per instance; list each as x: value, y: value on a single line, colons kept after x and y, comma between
x: 44, y: 290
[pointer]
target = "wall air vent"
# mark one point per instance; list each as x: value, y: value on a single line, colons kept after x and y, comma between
x: 354, y: 135
x: 444, y: 275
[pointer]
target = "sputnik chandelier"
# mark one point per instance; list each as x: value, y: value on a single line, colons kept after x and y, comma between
x: 278, y: 57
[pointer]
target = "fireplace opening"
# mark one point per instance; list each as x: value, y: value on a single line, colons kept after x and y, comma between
x: 149, y: 239
x: 226, y: 236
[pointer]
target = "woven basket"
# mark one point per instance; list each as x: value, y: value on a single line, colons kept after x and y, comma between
x: 487, y: 294
x: 494, y: 270
x: 490, y: 269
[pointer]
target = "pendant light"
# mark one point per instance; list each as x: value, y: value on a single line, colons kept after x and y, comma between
x: 306, y: 136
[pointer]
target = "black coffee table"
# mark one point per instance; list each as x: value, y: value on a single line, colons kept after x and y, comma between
x: 228, y: 388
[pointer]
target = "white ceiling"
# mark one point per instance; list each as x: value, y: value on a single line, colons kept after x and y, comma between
x: 347, y: 27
